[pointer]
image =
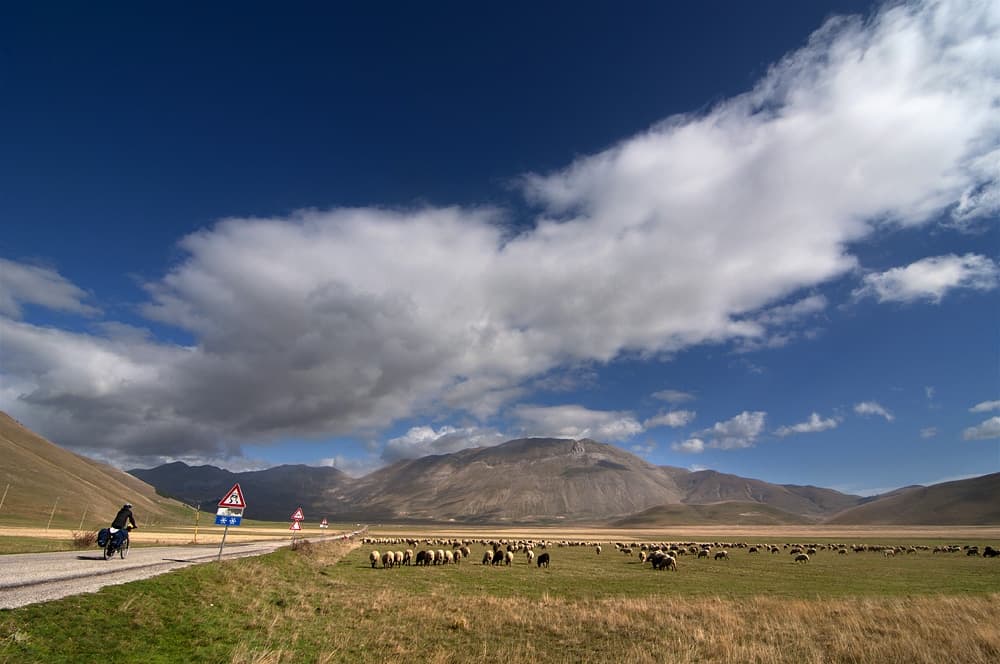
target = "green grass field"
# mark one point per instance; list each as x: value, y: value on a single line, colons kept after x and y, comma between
x: 324, y: 603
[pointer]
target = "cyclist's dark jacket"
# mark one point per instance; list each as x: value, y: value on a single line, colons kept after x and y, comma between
x: 124, y: 515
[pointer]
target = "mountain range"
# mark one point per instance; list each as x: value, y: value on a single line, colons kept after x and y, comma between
x: 525, y: 481
x: 546, y: 480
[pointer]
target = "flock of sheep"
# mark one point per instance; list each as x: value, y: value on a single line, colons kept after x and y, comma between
x: 660, y: 555
x: 501, y: 552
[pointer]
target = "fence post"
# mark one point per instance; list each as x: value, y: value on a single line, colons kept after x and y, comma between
x: 53, y: 513
x: 4, y: 495
x: 85, y: 508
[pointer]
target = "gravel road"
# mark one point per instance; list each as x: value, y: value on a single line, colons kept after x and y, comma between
x: 28, y: 578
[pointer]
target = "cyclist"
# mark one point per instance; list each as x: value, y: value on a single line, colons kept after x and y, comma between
x: 123, y: 518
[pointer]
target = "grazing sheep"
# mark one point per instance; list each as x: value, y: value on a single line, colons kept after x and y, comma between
x: 508, y: 558
x: 374, y: 557
x: 439, y: 558
x: 598, y: 549
x: 666, y: 562
x: 543, y: 560
x: 752, y: 549
x: 457, y: 553
x: 397, y: 559
x: 422, y: 558
x: 990, y: 552
x: 449, y: 557
x: 530, y: 555
x: 388, y: 559
x: 466, y: 551
x: 487, y: 557
x: 703, y: 553
x: 627, y: 551
x: 408, y: 557
x: 722, y: 555
x: 642, y: 556
x: 802, y: 558
x: 889, y: 552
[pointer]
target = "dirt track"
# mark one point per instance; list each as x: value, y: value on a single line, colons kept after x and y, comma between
x: 29, y: 578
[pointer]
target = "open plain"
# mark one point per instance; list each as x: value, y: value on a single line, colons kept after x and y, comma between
x: 326, y: 603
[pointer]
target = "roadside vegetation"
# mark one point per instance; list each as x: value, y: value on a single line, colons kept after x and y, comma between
x: 324, y: 603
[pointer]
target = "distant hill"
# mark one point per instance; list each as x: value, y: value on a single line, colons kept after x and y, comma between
x: 708, y: 486
x: 271, y: 495
x: 972, y: 502
x: 729, y: 512
x: 42, y: 476
x: 526, y: 480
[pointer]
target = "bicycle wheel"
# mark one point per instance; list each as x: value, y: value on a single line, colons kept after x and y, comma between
x: 123, y: 551
x: 109, y: 551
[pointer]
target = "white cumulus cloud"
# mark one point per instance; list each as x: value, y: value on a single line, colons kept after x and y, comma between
x: 673, y: 396
x: 573, y: 421
x: 931, y: 279
x: 737, y: 432
x: 988, y: 429
x: 985, y: 407
x: 673, y: 419
x: 873, y: 408
x: 814, y: 424
x: 424, y: 440
x: 689, y: 446
x: 21, y: 284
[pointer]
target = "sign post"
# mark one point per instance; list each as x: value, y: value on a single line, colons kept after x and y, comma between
x: 297, y: 518
x: 230, y: 512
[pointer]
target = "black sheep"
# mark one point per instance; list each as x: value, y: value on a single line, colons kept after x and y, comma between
x: 543, y: 560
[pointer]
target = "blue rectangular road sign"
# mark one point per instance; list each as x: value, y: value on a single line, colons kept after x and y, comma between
x: 227, y: 520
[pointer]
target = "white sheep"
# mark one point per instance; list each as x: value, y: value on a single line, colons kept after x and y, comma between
x: 802, y: 558
x: 374, y: 557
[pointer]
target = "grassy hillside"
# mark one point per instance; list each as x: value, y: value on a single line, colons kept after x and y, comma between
x: 974, y: 501
x: 39, y: 476
x: 731, y: 512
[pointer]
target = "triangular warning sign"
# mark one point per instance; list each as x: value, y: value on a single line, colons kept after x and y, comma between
x: 297, y: 515
x: 323, y: 522
x: 295, y: 526
x: 234, y: 498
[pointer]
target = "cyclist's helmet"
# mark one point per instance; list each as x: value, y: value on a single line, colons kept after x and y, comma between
x: 128, y: 505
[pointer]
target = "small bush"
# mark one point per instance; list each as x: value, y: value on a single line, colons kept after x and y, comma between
x: 302, y: 546
x: 84, y: 539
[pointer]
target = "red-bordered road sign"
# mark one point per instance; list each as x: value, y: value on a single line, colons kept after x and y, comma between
x: 295, y: 526
x: 297, y: 515
x: 234, y: 498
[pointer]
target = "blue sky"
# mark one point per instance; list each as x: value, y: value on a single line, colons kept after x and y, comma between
x: 760, y: 239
